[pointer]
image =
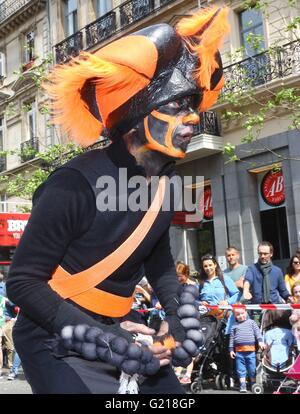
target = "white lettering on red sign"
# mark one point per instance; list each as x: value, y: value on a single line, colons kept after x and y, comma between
x: 16, y: 225
x: 208, y: 209
x: 272, y: 188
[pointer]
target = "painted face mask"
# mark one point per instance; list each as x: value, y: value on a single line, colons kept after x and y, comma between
x: 169, y: 128
x: 146, y: 77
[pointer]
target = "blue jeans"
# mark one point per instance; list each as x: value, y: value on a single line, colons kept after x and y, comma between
x: 245, y: 362
x: 16, y: 364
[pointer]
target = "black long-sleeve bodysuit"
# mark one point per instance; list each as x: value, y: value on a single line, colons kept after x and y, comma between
x: 66, y: 228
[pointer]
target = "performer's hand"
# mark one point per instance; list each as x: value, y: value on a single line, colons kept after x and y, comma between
x: 137, y: 328
x: 163, y: 329
x: 162, y: 353
x: 159, y: 351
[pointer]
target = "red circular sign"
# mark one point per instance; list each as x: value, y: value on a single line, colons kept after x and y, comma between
x: 207, y: 199
x: 272, y: 188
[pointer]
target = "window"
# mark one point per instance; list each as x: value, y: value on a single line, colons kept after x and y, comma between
x: 71, y: 24
x: 2, y: 157
x: 31, y: 120
x: 257, y: 66
x: 206, y: 239
x: 29, y: 46
x: 3, y: 203
x: 102, y: 7
x: 1, y: 133
x: 2, y: 65
x: 251, y: 23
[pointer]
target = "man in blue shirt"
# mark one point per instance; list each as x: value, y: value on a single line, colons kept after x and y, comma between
x: 235, y: 270
x: 264, y: 282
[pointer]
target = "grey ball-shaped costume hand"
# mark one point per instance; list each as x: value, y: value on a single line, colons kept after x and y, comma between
x: 189, y: 318
x: 92, y: 344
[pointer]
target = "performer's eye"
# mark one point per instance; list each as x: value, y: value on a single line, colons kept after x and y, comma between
x: 175, y: 104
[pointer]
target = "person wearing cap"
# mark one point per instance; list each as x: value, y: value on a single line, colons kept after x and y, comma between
x: 77, y: 264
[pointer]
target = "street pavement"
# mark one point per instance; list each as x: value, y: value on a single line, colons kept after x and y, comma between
x: 21, y: 386
x: 17, y: 386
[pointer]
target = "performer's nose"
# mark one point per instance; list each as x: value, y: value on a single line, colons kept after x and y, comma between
x: 191, y: 119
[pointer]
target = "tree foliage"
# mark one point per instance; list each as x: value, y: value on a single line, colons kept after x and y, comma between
x: 24, y: 183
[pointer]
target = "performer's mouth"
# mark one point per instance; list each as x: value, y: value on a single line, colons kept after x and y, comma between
x: 184, y: 137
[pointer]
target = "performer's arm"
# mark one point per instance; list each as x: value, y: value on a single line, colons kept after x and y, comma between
x: 161, y: 274
x: 64, y: 208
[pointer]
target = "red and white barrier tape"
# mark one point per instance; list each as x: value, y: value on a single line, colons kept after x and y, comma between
x: 269, y: 306
x: 281, y: 306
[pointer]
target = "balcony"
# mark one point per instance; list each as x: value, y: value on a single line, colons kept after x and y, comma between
x: 263, y: 68
x: 15, y: 12
x: 207, y: 139
x: 101, y: 29
x: 68, y: 48
x: 2, y: 163
x: 29, y: 149
x: 107, y: 26
x: 134, y: 10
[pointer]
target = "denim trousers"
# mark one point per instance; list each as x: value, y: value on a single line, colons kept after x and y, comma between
x: 246, y: 363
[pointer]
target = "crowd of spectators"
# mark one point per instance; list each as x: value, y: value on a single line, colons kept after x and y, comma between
x: 259, y: 283
x: 8, y: 314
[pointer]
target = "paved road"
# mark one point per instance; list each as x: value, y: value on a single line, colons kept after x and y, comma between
x: 21, y: 386
x: 17, y: 386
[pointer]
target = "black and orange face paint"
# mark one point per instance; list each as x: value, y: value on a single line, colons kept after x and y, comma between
x: 169, y: 129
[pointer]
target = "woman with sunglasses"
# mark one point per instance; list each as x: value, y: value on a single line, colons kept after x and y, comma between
x: 292, y: 273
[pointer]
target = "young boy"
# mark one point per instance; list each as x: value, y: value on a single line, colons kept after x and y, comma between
x: 243, y: 337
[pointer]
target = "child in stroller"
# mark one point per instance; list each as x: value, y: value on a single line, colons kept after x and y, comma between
x: 279, y: 356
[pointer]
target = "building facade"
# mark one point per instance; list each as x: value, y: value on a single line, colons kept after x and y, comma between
x: 24, y: 45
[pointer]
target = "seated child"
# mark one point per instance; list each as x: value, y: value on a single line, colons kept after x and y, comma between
x: 279, y: 340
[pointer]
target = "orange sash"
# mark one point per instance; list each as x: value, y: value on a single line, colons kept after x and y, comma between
x: 80, y: 287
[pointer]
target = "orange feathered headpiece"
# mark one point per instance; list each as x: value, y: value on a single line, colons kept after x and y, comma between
x: 120, y: 84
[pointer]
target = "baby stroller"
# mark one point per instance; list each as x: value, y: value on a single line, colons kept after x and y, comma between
x: 279, y: 356
x: 209, y: 365
x: 292, y: 374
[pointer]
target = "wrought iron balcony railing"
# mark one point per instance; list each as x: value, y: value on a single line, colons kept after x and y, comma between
x: 106, y: 26
x: 29, y: 149
x: 68, y: 48
x: 134, y: 10
x: 101, y: 29
x: 2, y: 163
x: 209, y: 124
x: 263, y: 68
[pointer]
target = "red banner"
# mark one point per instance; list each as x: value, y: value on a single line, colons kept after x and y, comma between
x: 180, y: 216
x: 272, y: 188
x: 208, y: 208
x: 180, y: 219
x: 12, y: 226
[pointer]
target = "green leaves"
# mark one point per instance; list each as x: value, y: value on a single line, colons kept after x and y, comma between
x: 25, y: 183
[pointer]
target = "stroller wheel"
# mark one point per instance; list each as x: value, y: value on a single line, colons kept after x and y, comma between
x: 227, y: 382
x: 218, y: 382
x: 257, y: 389
x: 196, y: 387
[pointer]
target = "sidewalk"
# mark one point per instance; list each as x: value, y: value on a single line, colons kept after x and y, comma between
x: 17, y: 386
